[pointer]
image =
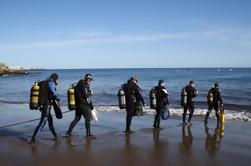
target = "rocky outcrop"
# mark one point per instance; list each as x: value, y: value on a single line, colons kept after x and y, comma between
x: 6, y: 70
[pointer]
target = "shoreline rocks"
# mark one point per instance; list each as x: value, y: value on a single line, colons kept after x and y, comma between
x: 6, y: 70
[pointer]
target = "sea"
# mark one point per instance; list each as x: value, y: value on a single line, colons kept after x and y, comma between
x: 235, y: 87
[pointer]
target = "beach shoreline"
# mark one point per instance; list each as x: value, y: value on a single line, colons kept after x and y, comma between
x: 146, y: 146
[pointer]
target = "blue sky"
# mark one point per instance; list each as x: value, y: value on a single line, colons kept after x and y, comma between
x: 125, y: 33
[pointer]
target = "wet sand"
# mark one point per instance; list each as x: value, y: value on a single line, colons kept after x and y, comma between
x: 173, y: 145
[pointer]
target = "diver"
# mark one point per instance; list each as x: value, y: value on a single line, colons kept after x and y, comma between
x: 214, y: 98
x: 84, y: 105
x: 191, y: 93
x: 162, y: 102
x: 47, y: 95
x: 133, y: 100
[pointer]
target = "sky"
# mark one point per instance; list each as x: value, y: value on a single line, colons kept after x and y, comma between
x: 64, y: 34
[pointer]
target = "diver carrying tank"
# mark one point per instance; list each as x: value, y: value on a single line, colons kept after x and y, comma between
x: 153, y: 100
x: 121, y: 98
x: 34, y: 96
x: 183, y: 97
x: 71, y: 98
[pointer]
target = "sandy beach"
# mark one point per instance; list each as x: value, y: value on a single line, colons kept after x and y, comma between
x: 173, y: 145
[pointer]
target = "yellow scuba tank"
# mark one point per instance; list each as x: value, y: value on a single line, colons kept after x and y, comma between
x: 34, y: 96
x: 153, y: 100
x: 222, y: 114
x: 121, y: 98
x: 71, y: 98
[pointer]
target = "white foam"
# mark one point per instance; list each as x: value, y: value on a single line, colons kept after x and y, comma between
x: 229, y: 115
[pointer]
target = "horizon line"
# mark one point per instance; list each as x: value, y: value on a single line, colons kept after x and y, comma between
x: 112, y: 68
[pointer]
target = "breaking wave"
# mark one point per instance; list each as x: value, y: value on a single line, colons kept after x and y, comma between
x: 229, y: 115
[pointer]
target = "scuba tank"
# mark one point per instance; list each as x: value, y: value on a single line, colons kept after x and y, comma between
x: 210, y: 98
x: 153, y: 100
x: 34, y: 96
x: 121, y: 98
x: 222, y: 115
x: 71, y: 98
x: 183, y: 97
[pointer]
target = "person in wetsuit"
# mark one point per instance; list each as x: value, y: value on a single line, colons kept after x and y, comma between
x: 47, y: 93
x: 84, y: 105
x: 191, y: 93
x: 133, y: 100
x: 214, y: 104
x: 162, y: 101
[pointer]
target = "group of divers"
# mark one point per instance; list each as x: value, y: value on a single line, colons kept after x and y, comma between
x: 44, y: 96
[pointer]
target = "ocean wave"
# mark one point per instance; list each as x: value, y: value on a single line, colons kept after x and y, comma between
x: 177, y: 111
x: 229, y: 115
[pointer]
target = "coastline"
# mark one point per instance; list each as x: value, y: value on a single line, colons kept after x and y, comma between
x: 6, y: 70
x: 12, y: 72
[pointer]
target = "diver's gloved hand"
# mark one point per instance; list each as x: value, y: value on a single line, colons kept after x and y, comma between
x: 91, y: 91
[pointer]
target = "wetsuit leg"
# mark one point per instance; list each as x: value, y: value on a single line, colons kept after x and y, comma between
x: 74, y: 122
x: 191, y: 106
x: 208, y: 112
x: 157, y: 116
x: 128, y: 119
x: 185, y: 113
x: 51, y: 126
x: 87, y: 115
x: 42, y: 120
x: 40, y: 124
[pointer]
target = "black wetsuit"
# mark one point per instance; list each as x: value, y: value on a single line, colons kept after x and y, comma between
x: 215, y: 104
x: 191, y: 93
x: 46, y: 97
x: 133, y: 99
x: 162, y: 102
x: 83, y: 106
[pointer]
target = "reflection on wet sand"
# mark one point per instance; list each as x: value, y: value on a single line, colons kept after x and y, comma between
x: 212, y: 142
x: 130, y: 152
x: 187, y: 141
x: 78, y: 142
x: 160, y: 155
